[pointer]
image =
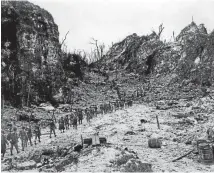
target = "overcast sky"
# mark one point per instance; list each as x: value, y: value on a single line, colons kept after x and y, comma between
x: 112, y: 20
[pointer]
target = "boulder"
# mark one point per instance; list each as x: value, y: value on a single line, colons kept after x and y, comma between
x: 72, y: 158
x: 135, y: 165
x: 35, y: 155
x: 123, y: 158
x: 26, y: 165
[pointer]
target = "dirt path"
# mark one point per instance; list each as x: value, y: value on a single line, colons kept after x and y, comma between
x: 114, y: 126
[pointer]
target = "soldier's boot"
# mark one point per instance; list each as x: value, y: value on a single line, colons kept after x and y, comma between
x: 3, y: 154
x: 11, y: 149
x: 31, y: 142
x: 23, y: 146
x: 17, y: 148
x: 54, y: 133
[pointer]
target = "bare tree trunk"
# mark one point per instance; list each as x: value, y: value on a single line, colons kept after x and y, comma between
x: 2, y: 101
x: 22, y: 94
x: 158, y: 122
x: 28, y: 95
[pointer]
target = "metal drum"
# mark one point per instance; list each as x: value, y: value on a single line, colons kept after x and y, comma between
x: 201, y: 141
x: 103, y: 140
x: 154, y: 143
x: 205, y: 153
x: 87, y: 141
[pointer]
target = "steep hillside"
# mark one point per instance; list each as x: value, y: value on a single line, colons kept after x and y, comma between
x: 33, y: 65
x: 30, y: 47
x: 134, y: 54
x: 188, y: 57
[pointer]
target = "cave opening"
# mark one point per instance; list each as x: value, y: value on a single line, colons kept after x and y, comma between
x: 8, y: 33
x: 149, y: 63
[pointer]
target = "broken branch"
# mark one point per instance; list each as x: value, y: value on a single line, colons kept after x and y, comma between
x: 64, y: 38
x: 183, y: 156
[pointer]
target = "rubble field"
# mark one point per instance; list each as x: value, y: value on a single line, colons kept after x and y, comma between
x: 127, y: 142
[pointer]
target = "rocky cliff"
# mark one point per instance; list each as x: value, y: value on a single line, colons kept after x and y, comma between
x: 134, y: 54
x: 30, y: 47
x: 189, y: 56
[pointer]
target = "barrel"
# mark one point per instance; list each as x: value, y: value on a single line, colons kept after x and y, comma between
x: 154, y: 143
x: 201, y: 141
x: 103, y: 140
x: 87, y: 141
x: 205, y: 153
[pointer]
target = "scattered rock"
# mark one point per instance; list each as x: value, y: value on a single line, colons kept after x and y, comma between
x: 66, y: 161
x: 38, y: 165
x: 26, y: 165
x: 135, y: 165
x: 123, y: 158
x: 130, y: 133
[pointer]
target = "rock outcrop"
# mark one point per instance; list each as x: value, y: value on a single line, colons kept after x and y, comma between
x: 30, y: 47
x: 134, y: 54
x: 189, y: 56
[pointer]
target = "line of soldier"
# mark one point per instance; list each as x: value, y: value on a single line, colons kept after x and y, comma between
x: 73, y: 119
x: 25, y: 135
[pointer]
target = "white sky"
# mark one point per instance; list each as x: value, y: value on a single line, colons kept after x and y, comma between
x: 112, y: 20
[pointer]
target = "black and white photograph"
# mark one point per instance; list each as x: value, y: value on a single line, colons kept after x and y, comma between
x: 107, y: 86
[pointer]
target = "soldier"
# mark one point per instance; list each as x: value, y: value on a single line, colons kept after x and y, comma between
x: 80, y: 116
x: 124, y: 94
x: 102, y: 108
x: 23, y: 137
x: 210, y: 134
x: 118, y: 104
x: 87, y: 112
x: 66, y: 122
x: 29, y: 135
x: 53, y: 116
x: 130, y: 102
x: 141, y: 92
x: 109, y: 107
x: 95, y: 110
x: 10, y: 126
x: 75, y: 122
x: 133, y: 96
x: 137, y: 92
x: 62, y: 125
x: 113, y: 106
x: 71, y: 118
x: 92, y: 111
x: 37, y: 132
x: 31, y: 117
x: 105, y: 108
x: 4, y: 142
x: 122, y: 103
x: 13, y: 138
x: 52, y: 128
x: 204, y: 91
